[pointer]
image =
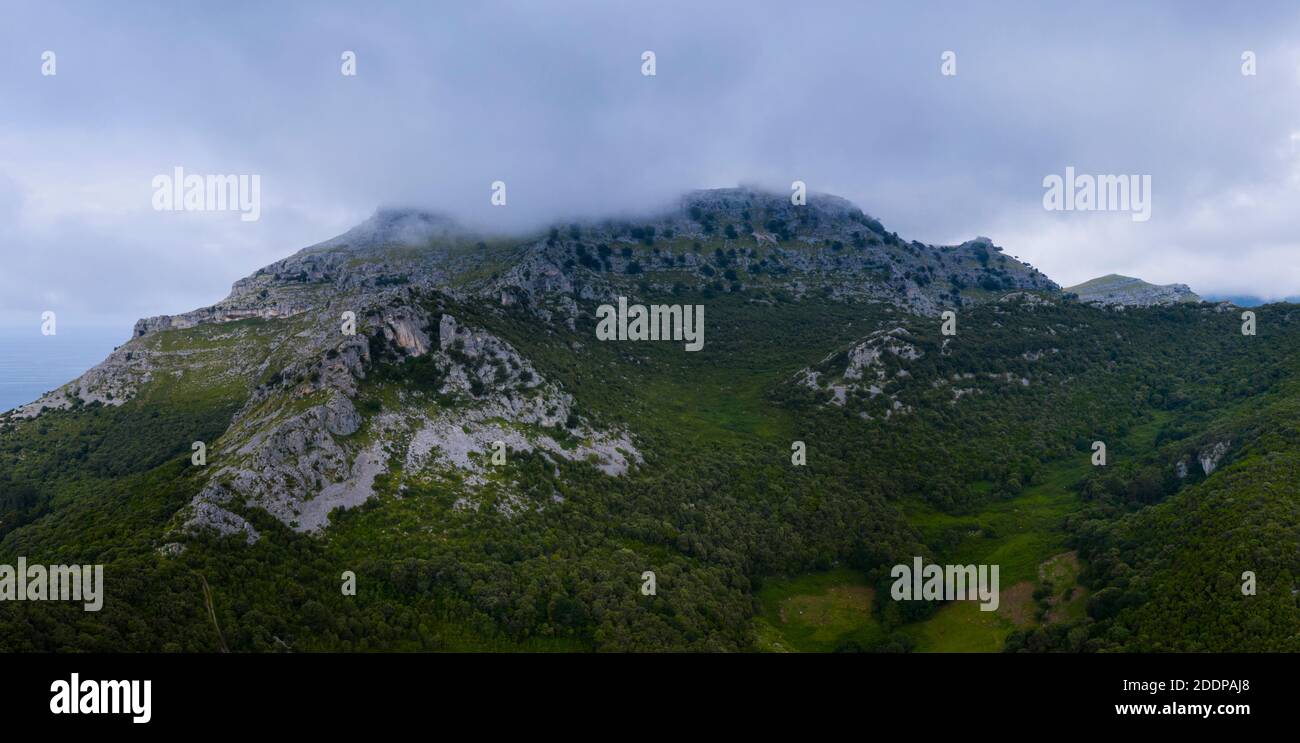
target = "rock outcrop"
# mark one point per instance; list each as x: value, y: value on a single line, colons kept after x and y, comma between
x: 293, y: 451
x: 1211, y: 456
x: 1114, y: 290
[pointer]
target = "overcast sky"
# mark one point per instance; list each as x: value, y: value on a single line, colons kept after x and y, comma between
x: 448, y: 97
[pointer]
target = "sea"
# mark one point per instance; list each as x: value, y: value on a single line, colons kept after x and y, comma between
x: 32, y: 364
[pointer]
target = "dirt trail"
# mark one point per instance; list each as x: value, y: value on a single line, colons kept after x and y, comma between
x: 207, y: 599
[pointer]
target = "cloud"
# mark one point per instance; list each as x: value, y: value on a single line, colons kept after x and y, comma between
x: 846, y: 96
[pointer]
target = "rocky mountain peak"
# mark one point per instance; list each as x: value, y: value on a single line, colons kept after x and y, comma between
x: 390, y: 226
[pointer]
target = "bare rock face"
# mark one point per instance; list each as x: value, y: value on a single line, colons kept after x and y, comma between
x: 462, y: 440
x: 288, y: 451
x: 868, y: 353
x: 285, y: 466
x: 476, y: 361
x: 404, y: 327
x: 863, y: 371
x: 293, y: 451
x: 209, y: 515
x: 1211, y: 456
x: 447, y: 331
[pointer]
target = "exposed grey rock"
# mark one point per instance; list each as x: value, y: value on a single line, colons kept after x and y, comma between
x: 229, y: 310
x: 865, y: 375
x: 299, y: 463
x: 1210, y: 457
x: 404, y: 328
x: 207, y: 515
x: 1118, y: 292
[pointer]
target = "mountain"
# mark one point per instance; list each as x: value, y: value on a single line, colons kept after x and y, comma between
x: 1248, y: 300
x: 1114, y: 290
x: 758, y: 242
x: 433, y: 411
x: 283, y: 451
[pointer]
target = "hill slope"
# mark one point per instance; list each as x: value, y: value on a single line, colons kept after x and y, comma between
x: 1115, y: 290
x: 379, y: 452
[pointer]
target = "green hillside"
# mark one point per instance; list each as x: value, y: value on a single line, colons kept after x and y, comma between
x: 972, y: 448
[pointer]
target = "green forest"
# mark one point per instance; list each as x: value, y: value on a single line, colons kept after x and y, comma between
x: 750, y: 551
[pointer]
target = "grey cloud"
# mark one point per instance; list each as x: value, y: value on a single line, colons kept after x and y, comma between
x: 846, y: 96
